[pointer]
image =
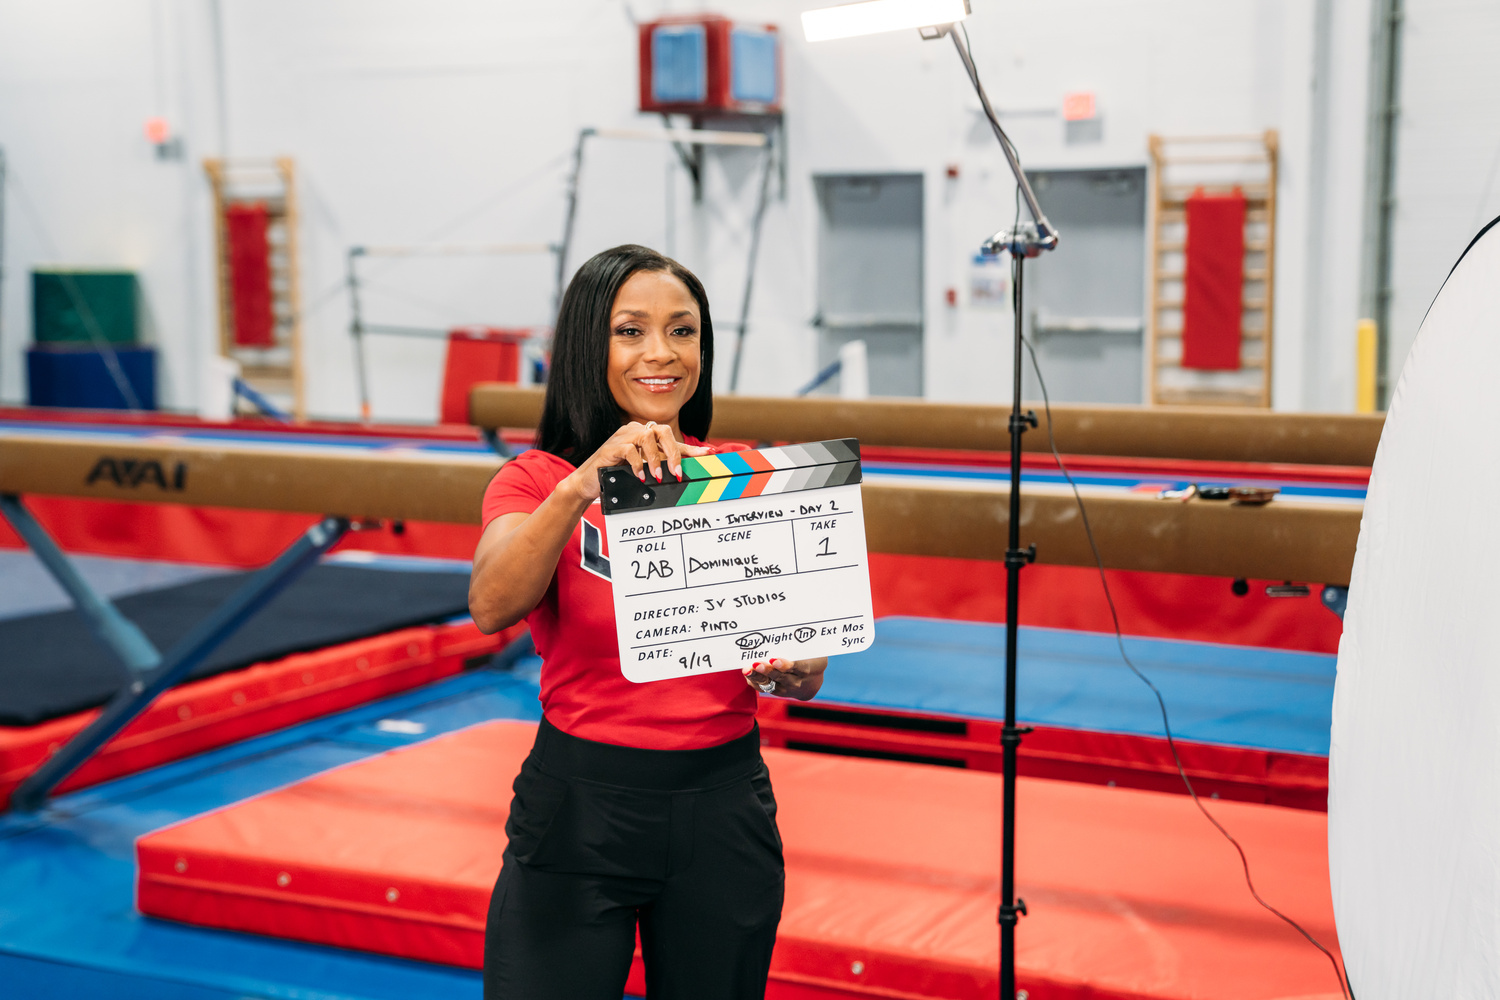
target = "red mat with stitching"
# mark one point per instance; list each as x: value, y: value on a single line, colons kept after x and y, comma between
x: 891, y: 876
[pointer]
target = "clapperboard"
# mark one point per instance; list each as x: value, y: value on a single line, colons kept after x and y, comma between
x: 753, y: 555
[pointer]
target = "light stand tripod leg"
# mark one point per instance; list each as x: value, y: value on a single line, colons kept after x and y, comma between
x: 1023, y: 241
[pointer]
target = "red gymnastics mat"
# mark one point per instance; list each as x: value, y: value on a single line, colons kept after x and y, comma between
x: 891, y: 876
x: 232, y: 706
x: 1126, y: 760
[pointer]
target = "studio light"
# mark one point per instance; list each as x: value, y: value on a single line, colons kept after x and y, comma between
x: 872, y: 16
x: 934, y: 19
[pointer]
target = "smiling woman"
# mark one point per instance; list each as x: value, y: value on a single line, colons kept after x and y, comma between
x: 633, y: 315
x: 621, y: 770
x: 655, y: 348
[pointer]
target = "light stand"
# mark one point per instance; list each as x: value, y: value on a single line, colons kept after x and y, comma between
x: 933, y: 19
x: 1024, y: 241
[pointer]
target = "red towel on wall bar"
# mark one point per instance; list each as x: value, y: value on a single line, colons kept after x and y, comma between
x: 1214, y: 279
x: 250, y: 274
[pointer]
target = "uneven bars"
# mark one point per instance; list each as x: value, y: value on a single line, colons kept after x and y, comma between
x: 455, y: 250
x: 692, y: 136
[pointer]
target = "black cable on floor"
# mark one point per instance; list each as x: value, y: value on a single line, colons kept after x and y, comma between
x: 1114, y: 615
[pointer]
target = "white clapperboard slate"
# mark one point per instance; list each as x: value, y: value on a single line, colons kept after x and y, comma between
x: 753, y: 555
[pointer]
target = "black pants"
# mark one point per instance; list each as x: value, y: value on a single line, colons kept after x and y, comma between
x: 602, y: 836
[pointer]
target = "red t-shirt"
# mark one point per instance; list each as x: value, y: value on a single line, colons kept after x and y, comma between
x: 583, y: 691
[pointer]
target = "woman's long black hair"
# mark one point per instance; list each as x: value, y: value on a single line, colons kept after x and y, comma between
x: 580, y: 412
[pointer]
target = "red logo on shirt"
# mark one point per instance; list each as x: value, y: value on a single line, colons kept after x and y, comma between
x: 594, y: 560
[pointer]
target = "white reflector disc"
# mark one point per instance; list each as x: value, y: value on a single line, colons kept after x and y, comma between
x: 1414, y: 797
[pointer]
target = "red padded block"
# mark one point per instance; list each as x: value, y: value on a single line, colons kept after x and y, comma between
x: 477, y: 354
x: 258, y: 699
x: 892, y: 876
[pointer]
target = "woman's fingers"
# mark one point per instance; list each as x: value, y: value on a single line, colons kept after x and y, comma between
x: 636, y: 462
x: 787, y: 675
x: 621, y: 449
x: 791, y: 669
x: 760, y: 677
x: 671, y: 449
x: 650, y: 447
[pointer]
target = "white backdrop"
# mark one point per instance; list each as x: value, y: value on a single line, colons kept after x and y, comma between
x: 1414, y: 791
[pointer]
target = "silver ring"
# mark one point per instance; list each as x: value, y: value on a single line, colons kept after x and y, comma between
x: 650, y: 424
x: 766, y: 688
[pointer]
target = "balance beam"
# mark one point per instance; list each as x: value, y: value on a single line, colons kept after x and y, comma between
x: 1284, y: 540
x: 356, y: 484
x: 1189, y: 432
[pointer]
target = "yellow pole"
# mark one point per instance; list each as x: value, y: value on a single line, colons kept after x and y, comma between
x: 1364, y: 381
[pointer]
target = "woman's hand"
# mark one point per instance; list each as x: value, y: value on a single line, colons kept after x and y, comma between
x: 798, y: 679
x: 517, y: 554
x: 649, y: 449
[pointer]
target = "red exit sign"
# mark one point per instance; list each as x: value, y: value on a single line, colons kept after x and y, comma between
x: 1078, y: 106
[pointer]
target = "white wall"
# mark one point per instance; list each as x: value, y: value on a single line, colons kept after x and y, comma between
x: 1338, y: 121
x: 452, y: 121
x: 78, y: 79
x: 1447, y: 155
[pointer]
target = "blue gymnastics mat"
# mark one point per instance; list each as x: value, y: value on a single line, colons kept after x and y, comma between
x: 68, y: 924
x: 69, y: 929
x: 1233, y: 695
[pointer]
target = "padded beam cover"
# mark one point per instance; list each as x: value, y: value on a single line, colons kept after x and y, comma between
x: 412, y: 485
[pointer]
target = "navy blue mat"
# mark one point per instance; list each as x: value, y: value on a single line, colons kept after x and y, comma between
x: 26, y: 588
x: 52, y: 665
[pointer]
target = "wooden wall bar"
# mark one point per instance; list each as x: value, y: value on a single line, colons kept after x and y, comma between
x: 1280, y: 541
x: 1209, y: 432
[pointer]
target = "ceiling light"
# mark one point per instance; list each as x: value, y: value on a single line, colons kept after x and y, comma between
x: 872, y: 16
